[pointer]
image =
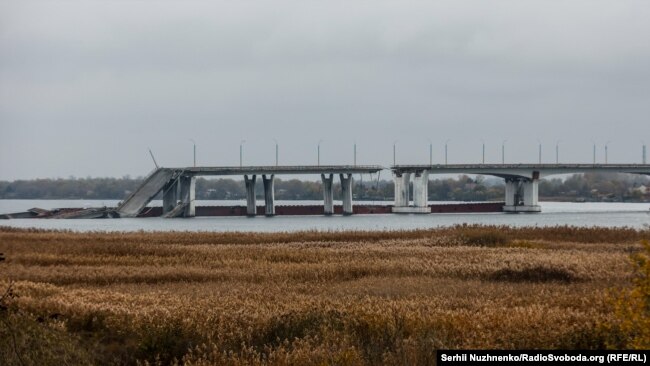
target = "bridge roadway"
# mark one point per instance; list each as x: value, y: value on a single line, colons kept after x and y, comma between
x: 282, y: 170
x: 178, y: 187
x: 521, y: 181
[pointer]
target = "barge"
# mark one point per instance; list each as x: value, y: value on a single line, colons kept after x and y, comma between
x: 280, y: 210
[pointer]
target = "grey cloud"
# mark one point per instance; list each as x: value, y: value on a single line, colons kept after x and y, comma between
x: 86, y: 87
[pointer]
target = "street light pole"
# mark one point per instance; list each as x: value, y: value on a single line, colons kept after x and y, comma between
x: 319, y: 141
x: 395, y: 152
x: 540, y: 151
x: 503, y: 151
x: 156, y: 163
x: 643, y: 153
x: 241, y: 152
x: 194, y: 145
x: 430, y: 153
x: 355, y: 153
x: 557, y: 152
x: 594, y: 153
x: 446, y: 151
x: 276, y: 152
x: 606, y: 146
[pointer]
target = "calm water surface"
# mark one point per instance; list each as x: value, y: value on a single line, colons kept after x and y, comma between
x: 635, y: 215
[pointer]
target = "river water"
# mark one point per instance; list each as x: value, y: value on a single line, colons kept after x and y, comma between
x: 636, y: 215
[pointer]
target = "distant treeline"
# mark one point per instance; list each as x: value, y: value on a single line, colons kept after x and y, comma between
x: 596, y: 186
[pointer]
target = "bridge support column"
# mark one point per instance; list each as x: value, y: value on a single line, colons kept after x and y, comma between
x: 328, y: 194
x: 170, y: 196
x: 401, y: 180
x: 346, y: 190
x: 188, y: 194
x: 421, y: 192
x: 531, y: 195
x: 251, y: 207
x: 512, y: 193
x: 269, y: 195
x: 522, y: 195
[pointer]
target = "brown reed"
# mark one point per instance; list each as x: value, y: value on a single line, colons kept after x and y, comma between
x: 348, y: 298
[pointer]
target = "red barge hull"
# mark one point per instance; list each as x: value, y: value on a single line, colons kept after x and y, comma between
x: 338, y: 210
x: 105, y: 212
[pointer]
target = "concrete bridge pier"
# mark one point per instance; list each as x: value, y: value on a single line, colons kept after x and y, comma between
x: 188, y: 194
x: 328, y: 194
x: 531, y: 196
x: 513, y: 196
x: 170, y: 196
x: 251, y: 206
x: 346, y: 190
x: 269, y: 194
x: 421, y: 192
x: 401, y: 180
x: 522, y: 195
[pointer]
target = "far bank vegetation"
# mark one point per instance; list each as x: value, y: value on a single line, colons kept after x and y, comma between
x: 588, y: 187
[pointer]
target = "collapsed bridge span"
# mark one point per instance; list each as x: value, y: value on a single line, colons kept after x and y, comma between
x: 178, y: 187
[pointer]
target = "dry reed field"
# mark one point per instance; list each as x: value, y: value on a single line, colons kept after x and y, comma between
x: 312, y: 298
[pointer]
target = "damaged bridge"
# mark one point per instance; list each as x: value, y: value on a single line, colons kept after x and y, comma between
x: 178, y: 187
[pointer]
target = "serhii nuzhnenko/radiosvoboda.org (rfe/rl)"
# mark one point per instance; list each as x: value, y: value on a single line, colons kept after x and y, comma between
x: 538, y: 357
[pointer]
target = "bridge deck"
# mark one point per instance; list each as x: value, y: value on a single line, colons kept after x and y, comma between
x: 520, y: 166
x: 304, y: 169
x: 523, y: 170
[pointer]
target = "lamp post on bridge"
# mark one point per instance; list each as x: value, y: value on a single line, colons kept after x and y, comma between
x: 430, y: 152
x: 540, y: 151
x: 276, y: 151
x: 156, y: 163
x: 319, y: 142
x: 643, y: 153
x: 606, y: 144
x: 557, y: 151
x: 241, y: 152
x: 594, y: 151
x: 503, y: 151
x: 446, y: 150
x: 395, y: 152
x: 355, y: 153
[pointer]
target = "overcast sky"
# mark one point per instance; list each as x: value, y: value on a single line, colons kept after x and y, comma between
x: 86, y: 87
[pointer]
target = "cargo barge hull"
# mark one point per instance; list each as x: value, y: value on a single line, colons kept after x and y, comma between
x: 280, y: 210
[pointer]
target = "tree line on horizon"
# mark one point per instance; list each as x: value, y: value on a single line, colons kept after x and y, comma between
x: 588, y: 186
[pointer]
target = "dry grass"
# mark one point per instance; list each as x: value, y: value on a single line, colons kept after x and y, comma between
x: 348, y: 298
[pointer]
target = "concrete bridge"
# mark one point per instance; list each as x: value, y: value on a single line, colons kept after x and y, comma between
x: 178, y: 187
x: 521, y: 181
x: 521, y: 194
